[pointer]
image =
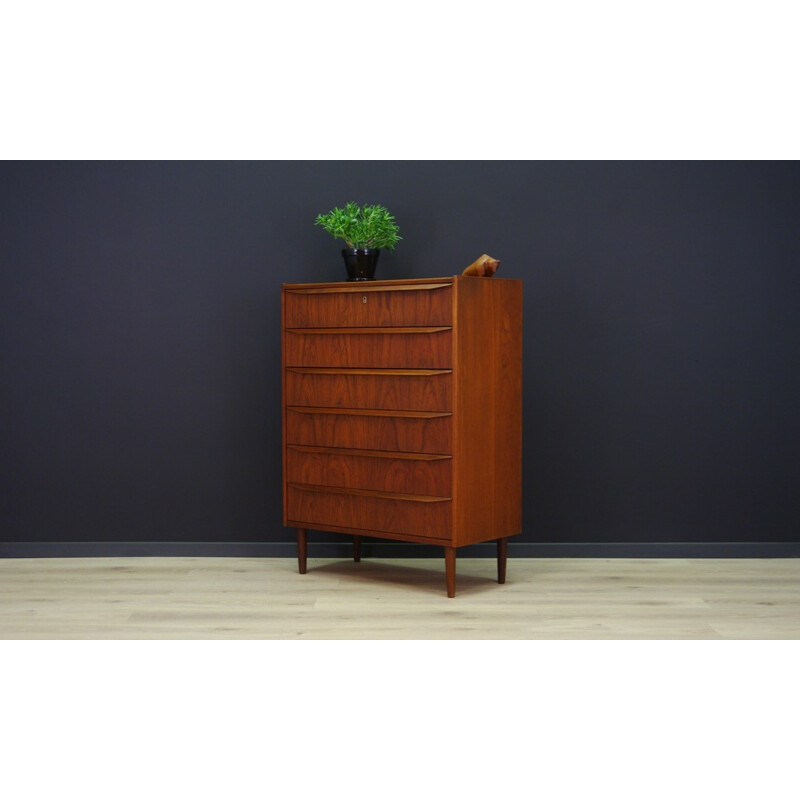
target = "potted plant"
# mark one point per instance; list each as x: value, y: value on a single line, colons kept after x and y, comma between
x: 366, y: 230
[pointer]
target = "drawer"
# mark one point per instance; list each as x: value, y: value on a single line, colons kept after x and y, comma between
x: 318, y: 506
x: 409, y: 390
x: 402, y: 348
x: 408, y: 432
x: 354, y: 306
x: 410, y: 473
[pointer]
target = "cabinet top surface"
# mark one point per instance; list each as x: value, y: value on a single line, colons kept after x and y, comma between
x: 395, y: 282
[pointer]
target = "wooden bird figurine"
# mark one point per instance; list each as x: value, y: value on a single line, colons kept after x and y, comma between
x: 484, y: 267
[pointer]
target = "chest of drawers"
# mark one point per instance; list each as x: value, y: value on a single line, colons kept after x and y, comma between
x: 402, y: 412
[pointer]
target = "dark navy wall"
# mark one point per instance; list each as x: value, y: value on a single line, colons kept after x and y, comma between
x: 139, y: 324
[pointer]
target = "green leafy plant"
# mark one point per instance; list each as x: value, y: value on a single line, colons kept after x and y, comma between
x: 361, y: 226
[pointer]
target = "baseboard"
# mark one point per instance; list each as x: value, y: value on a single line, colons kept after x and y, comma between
x: 378, y: 549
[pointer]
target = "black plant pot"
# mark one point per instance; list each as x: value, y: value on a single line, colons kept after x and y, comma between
x: 360, y: 263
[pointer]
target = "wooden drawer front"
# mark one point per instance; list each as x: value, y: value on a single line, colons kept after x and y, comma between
x: 409, y: 390
x: 432, y: 306
x: 411, y: 474
x: 410, y: 350
x: 431, y: 519
x: 404, y: 433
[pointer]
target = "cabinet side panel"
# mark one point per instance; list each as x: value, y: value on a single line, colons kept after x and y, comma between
x: 507, y: 346
x: 283, y: 400
x: 474, y: 416
x: 488, y: 412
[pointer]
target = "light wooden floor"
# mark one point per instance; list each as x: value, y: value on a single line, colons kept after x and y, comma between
x: 238, y: 598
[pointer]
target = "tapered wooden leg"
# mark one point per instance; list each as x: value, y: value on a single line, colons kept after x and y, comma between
x: 502, y: 557
x: 356, y: 548
x: 301, y: 550
x: 450, y: 570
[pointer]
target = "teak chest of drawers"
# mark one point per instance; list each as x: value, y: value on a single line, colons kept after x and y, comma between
x: 402, y: 412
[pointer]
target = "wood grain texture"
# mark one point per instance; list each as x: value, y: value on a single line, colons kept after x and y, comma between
x: 409, y: 368
x: 398, y: 599
x: 365, y: 331
x: 421, y: 304
x: 502, y: 559
x: 507, y: 380
x: 304, y: 448
x: 351, y: 470
x: 483, y: 267
x: 488, y: 410
x: 450, y: 570
x: 355, y: 287
x: 368, y: 412
x: 428, y: 519
x: 407, y: 434
x: 283, y: 401
x: 301, y: 551
x: 368, y: 371
x: 426, y: 390
x: 350, y: 530
x: 404, y: 350
x: 351, y: 490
